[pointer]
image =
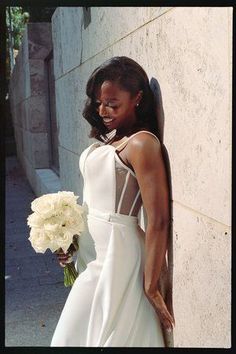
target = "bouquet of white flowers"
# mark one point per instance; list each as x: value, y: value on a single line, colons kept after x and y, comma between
x: 56, y: 222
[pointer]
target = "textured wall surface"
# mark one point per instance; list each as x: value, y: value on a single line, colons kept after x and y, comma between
x: 189, y: 51
x: 29, y: 102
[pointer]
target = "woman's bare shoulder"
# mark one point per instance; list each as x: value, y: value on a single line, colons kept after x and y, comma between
x: 144, y: 140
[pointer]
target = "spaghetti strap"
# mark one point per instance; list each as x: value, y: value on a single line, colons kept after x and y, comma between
x: 141, y: 131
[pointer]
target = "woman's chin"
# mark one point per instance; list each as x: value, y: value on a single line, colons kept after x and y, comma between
x: 109, y: 126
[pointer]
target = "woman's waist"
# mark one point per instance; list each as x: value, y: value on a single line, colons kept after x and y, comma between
x: 110, y: 216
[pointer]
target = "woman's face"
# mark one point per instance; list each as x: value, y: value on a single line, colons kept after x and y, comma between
x: 115, y: 106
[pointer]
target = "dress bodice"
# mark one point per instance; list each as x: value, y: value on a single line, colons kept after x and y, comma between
x: 109, y: 184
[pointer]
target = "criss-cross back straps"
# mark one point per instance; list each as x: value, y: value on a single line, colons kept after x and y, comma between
x: 141, y: 131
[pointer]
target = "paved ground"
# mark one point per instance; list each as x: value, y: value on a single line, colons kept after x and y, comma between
x: 35, y: 293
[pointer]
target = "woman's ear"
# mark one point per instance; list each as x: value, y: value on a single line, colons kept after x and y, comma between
x: 139, y: 97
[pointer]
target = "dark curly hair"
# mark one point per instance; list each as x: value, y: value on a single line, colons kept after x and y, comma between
x: 131, y: 77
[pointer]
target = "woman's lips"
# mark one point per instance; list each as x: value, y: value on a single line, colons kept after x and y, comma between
x: 107, y: 120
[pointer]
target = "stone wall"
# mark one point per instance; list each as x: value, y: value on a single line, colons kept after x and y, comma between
x: 29, y: 107
x: 189, y: 51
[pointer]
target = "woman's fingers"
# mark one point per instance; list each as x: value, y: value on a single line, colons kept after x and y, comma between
x: 162, y: 311
x: 63, y: 255
x: 164, y: 315
x: 63, y: 263
x: 166, y: 318
x: 64, y: 258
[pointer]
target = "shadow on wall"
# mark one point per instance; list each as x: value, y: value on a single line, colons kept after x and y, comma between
x: 166, y: 278
x: 159, y: 106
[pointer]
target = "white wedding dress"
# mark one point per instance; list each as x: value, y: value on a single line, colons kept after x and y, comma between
x: 107, y: 306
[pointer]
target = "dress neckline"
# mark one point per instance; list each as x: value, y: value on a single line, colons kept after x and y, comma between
x: 126, y: 140
x: 118, y: 159
x: 100, y: 144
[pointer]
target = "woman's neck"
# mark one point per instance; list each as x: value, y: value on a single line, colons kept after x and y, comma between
x: 127, y: 132
x: 120, y: 134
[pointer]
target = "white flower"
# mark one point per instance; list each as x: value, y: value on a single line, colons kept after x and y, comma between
x: 38, y: 240
x: 56, y: 218
x: 35, y: 220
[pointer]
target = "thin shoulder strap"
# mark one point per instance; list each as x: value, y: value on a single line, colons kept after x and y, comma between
x: 141, y: 131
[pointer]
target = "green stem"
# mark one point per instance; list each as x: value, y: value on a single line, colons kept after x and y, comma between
x: 70, y: 274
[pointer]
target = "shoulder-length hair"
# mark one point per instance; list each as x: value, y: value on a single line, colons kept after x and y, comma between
x: 131, y: 77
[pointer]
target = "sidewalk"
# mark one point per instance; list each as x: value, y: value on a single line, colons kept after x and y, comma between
x: 35, y: 293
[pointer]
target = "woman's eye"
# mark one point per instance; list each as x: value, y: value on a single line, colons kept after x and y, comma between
x: 111, y: 106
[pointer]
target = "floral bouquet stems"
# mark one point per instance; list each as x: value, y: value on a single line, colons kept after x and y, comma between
x: 56, y: 223
x: 70, y: 272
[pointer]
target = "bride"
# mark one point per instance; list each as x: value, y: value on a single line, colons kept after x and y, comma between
x: 116, y: 300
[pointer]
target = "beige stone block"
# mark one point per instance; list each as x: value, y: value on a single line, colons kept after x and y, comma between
x: 26, y: 85
x: 20, y: 79
x: 67, y: 28
x: 57, y: 43
x: 40, y: 149
x: 70, y: 176
x: 27, y: 145
x: 38, y: 80
x: 47, y: 181
x: 109, y: 25
x: 67, y: 91
x: 70, y: 30
x: 194, y: 72
x: 24, y: 48
x: 202, y: 280
x: 37, y: 114
x: 39, y: 40
x: 23, y: 113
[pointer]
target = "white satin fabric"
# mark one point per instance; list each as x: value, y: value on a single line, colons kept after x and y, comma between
x: 106, y: 306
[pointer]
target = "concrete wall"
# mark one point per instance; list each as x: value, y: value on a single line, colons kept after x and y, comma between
x: 29, y: 107
x: 189, y: 51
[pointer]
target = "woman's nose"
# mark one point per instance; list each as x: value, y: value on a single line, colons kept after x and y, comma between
x: 102, y: 110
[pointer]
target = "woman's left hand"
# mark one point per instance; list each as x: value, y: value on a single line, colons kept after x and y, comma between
x: 160, y: 307
x: 66, y: 257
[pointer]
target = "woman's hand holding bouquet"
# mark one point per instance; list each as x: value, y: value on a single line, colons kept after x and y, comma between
x: 56, y: 223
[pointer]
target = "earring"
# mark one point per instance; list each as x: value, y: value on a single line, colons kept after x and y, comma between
x: 137, y: 104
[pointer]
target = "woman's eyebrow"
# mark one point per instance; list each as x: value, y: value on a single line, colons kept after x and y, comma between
x: 108, y: 100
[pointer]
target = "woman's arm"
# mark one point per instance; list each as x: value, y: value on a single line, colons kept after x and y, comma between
x: 145, y: 156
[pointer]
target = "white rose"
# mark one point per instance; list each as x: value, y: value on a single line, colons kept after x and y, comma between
x: 38, y: 240
x: 65, y: 240
x: 35, y: 220
x: 44, y: 206
x: 51, y: 228
x: 66, y: 198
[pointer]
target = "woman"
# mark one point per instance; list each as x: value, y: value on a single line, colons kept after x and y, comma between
x: 116, y: 301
